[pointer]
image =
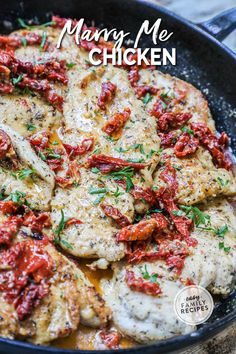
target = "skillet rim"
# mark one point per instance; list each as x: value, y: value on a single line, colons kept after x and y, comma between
x: 173, y: 343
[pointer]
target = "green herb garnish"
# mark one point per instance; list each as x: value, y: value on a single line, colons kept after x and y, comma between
x: 185, y: 129
x: 151, y: 277
x: 16, y: 80
x: 25, y: 173
x: 147, y: 98
x: 196, y: 215
x: 70, y: 65
x: 222, y: 182
x: 30, y: 127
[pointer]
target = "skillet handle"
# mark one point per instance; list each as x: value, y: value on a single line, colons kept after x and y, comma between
x: 221, y: 25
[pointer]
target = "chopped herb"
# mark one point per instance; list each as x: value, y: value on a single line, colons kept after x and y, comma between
x: 120, y: 149
x: 22, y: 23
x: 66, y: 244
x: 136, y: 160
x: 93, y: 190
x: 70, y: 65
x: 154, y: 188
x: 126, y: 174
x: 165, y: 96
x: 97, y: 150
x: 147, y: 98
x: 53, y: 155
x: 151, y: 211
x: 220, y: 232
x: 29, y: 27
x: 44, y: 39
x: 152, y: 152
x: 139, y: 147
x: 196, y: 215
x: 222, y: 182
x: 99, y: 198
x: 18, y: 197
x: 185, y: 129
x: 16, y: 81
x: 43, y: 157
x: 177, y: 212
x: 54, y: 142
x: 109, y: 138
x: 222, y: 246
x: 25, y: 173
x: 24, y: 41
x: 30, y: 127
x: 60, y: 227
x: 145, y: 274
x: 117, y: 192
x: 95, y: 170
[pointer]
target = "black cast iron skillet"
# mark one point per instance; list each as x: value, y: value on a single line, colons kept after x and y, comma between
x: 201, y: 60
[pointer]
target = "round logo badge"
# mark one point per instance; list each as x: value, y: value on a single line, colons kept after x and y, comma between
x: 193, y: 305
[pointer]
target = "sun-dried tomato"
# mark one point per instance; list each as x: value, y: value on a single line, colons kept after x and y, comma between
x: 137, y: 232
x: 216, y: 146
x: 71, y: 178
x: 138, y: 284
x: 158, y: 108
x: 172, y: 120
x: 146, y: 194
x: 168, y: 175
x: 63, y: 182
x: 108, y: 164
x: 5, y: 144
x: 110, y: 338
x: 175, y: 263
x: 37, y: 223
x: 25, y: 270
x: 107, y: 94
x: 116, y: 122
x: 73, y: 221
x: 186, y: 145
x: 161, y: 220
x: 142, y: 90
x: 73, y: 171
x: 34, y: 77
x: 39, y: 141
x: 172, y: 252
x: 9, y: 228
x: 27, y: 38
x: 85, y: 147
x: 116, y: 215
x: 167, y: 139
x: 134, y: 75
x: 8, y: 207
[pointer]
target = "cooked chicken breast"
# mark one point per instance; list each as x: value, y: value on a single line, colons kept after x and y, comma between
x: 138, y: 140
x: 212, y: 265
x: 213, y: 261
x: 197, y: 176
x: 95, y: 235
x: 142, y: 317
x: 71, y: 299
x: 27, y: 115
x: 180, y: 95
x: 31, y: 176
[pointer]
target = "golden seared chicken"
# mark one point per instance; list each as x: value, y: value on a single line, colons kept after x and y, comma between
x: 141, y: 295
x: 144, y: 317
x: 177, y: 96
x: 198, y: 177
x: 23, y: 171
x: 51, y: 295
x: 212, y: 263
